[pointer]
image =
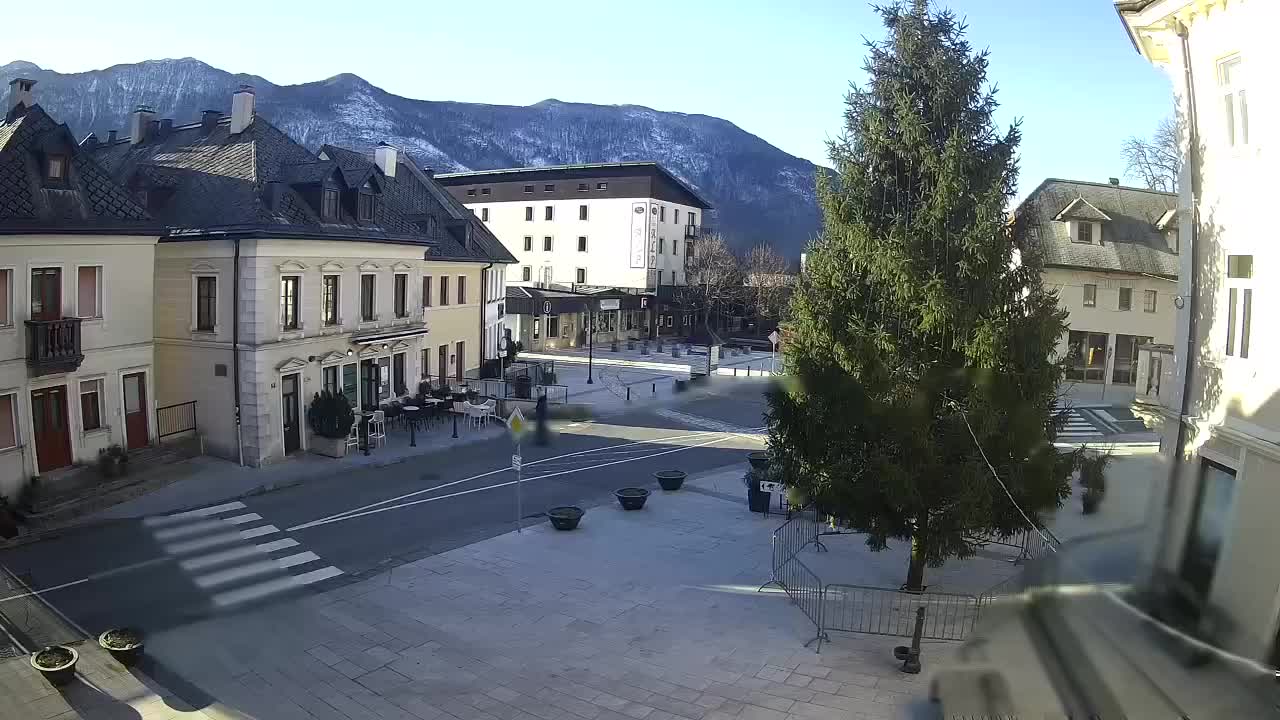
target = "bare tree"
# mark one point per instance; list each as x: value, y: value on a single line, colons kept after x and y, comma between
x: 1155, y: 162
x: 714, y: 278
x: 767, y: 281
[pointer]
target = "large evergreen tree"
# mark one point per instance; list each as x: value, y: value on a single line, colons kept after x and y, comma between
x: 921, y: 306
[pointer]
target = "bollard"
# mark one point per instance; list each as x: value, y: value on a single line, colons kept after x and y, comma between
x: 655, y: 388
x: 748, y: 371
x: 910, y: 655
x: 628, y: 393
x: 735, y: 372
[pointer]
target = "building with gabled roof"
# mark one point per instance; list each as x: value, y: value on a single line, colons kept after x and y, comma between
x: 76, y: 255
x: 1111, y: 254
x: 283, y: 272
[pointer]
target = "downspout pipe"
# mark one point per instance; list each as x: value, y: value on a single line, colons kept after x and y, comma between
x: 235, y: 346
x: 484, y: 311
x: 1193, y: 149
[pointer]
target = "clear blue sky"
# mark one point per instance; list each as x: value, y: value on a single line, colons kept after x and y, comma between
x: 776, y: 68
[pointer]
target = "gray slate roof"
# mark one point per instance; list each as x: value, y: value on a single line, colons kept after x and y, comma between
x: 418, y: 197
x: 90, y: 200
x: 1130, y: 240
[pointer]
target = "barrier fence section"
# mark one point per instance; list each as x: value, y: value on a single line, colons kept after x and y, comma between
x: 882, y: 611
x: 789, y: 572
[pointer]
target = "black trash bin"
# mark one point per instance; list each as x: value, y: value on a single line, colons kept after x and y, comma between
x: 758, y: 500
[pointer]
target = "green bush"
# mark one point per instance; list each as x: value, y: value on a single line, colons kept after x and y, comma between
x: 330, y: 415
x: 1093, y: 471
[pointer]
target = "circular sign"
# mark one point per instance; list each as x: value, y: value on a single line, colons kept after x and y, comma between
x: 639, y: 210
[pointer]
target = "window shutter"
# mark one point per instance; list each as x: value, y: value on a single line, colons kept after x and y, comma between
x: 88, y: 292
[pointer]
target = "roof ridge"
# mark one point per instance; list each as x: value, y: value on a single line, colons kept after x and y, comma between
x: 1108, y: 185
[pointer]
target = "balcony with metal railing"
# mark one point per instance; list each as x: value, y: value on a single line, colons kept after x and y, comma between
x: 53, y: 346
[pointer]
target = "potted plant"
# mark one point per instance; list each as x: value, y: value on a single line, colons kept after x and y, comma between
x: 113, y: 461
x: 565, y: 518
x: 631, y: 498
x: 670, y: 480
x: 330, y: 417
x: 57, y: 663
x: 1094, y: 480
x: 124, y: 644
x: 796, y: 497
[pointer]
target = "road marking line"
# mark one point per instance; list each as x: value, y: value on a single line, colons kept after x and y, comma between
x: 200, y: 512
x: 184, y: 530
x: 273, y: 586
x: 203, y: 543
x: 242, y: 519
x: 277, y: 545
x: 218, y: 558
x: 240, y: 572
x: 354, y: 514
x: 415, y: 493
x: 259, y: 531
x: 301, y: 558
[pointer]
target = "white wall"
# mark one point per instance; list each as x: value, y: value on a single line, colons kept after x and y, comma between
x: 607, y: 259
x: 118, y: 342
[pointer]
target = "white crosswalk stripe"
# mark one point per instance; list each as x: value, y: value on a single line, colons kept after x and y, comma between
x: 231, y: 553
x: 706, y: 423
x: 1076, y: 426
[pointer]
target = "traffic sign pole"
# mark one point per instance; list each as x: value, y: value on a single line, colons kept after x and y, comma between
x: 519, y: 493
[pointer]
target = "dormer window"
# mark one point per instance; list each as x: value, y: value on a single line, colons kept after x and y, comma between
x: 56, y: 169
x: 329, y: 204
x: 1084, y: 232
x: 365, y: 207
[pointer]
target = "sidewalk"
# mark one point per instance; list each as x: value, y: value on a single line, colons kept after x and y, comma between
x: 649, y: 615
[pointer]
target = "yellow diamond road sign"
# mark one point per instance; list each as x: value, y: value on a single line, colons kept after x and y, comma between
x: 516, y: 424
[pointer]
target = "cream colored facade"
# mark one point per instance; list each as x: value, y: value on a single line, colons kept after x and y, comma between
x: 1108, y: 317
x: 1216, y: 530
x: 197, y: 365
x: 116, y: 340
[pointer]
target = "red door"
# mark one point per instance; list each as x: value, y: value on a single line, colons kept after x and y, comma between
x: 135, y: 411
x: 53, y: 434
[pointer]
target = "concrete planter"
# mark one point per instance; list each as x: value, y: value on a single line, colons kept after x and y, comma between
x: 670, y: 480
x: 329, y: 447
x: 631, y: 498
x: 57, y: 664
x: 124, y: 644
x: 565, y: 518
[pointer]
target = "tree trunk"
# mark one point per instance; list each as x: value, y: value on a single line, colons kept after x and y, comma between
x: 915, y: 571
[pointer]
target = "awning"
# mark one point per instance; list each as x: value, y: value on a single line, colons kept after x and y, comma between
x: 381, y: 336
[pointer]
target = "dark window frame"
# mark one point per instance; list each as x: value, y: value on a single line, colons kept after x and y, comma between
x: 365, y: 206
x: 329, y: 204
x: 1084, y: 233
x: 528, y: 188
x: 329, y: 299
x: 528, y: 243
x: 484, y: 214
x: 528, y: 213
x: 206, y: 304
x: 368, y: 297
x: 426, y: 291
x: 1090, y: 302
x: 549, y: 212
x: 526, y: 273
x: 548, y: 188
x: 63, y: 161
x: 1149, y: 300
x: 582, y: 212
x: 462, y: 289
x: 444, y: 290
x: 291, y: 302
x: 582, y: 243
x: 1124, y: 299
x: 91, y: 415
x: 547, y: 243
x: 581, y: 275
x: 400, y: 294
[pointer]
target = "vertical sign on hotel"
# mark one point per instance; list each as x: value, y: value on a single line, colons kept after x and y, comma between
x: 639, y: 234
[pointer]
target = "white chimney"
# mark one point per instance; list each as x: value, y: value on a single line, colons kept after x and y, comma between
x: 20, y: 93
x: 140, y: 123
x: 385, y: 157
x: 241, y: 109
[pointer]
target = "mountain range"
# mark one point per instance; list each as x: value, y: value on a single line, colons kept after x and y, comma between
x: 760, y: 193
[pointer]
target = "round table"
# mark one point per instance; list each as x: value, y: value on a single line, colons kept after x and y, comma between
x: 411, y: 414
x: 364, y: 418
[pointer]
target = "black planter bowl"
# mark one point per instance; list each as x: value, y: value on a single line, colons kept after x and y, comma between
x: 124, y: 644
x: 53, y: 664
x: 758, y: 459
x: 631, y: 498
x: 670, y: 479
x: 565, y: 518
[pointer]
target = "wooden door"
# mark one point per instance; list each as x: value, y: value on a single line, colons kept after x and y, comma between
x: 459, y: 362
x: 52, y: 431
x: 135, y: 411
x: 289, y: 413
x: 46, y: 294
x: 443, y: 364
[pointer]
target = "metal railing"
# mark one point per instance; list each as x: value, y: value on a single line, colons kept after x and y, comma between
x: 788, y: 572
x: 504, y: 390
x: 883, y: 611
x: 175, y: 419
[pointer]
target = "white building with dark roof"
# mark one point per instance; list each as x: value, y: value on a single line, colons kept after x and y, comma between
x: 1111, y: 253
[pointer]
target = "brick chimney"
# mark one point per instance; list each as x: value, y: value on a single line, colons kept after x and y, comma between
x: 19, y: 93
x: 111, y: 137
x: 241, y: 109
x: 140, y: 123
x: 386, y: 158
x: 90, y: 142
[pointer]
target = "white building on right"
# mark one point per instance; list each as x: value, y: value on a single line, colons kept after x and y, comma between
x: 1213, y: 396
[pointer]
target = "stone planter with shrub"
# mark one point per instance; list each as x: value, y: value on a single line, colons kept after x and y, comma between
x: 113, y: 461
x: 330, y: 417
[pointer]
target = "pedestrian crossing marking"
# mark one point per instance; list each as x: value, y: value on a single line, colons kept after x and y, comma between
x: 216, y: 547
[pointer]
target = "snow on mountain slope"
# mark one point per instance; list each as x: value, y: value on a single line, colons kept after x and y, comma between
x: 760, y: 192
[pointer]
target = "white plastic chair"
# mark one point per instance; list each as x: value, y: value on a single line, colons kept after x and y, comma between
x: 378, y: 427
x: 353, y: 435
x: 490, y: 409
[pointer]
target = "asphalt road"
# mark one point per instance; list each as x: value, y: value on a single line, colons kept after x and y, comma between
x: 156, y: 573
